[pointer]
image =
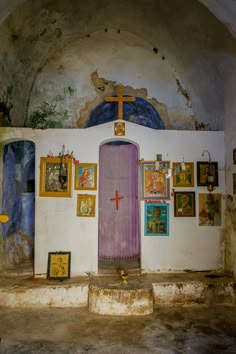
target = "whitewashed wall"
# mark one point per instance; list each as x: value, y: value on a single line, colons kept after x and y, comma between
x: 57, y: 228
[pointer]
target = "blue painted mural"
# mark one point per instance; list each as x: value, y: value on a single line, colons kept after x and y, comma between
x: 140, y: 112
x: 18, y: 200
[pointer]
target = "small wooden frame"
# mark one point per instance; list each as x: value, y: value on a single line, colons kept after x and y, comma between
x: 55, y: 177
x: 59, y: 265
x: 234, y: 156
x: 86, y: 176
x: 184, y: 204
x: 86, y: 204
x: 234, y: 183
x: 204, y: 169
x: 156, y: 219
x: 183, y: 177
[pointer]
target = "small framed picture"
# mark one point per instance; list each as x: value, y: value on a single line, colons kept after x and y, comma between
x: 234, y: 183
x: 183, y: 174
x: 55, y: 177
x: 86, y: 176
x: 210, y: 209
x: 184, y: 204
x: 207, y: 171
x: 119, y: 128
x: 234, y: 156
x: 86, y: 205
x: 155, y: 180
x: 59, y: 265
x: 156, y: 219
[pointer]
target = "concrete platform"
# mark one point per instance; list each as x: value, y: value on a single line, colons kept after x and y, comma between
x: 121, y: 299
x: 160, y: 289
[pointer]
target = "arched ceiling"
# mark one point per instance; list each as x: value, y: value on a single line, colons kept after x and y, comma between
x: 225, y: 11
x: 199, y: 48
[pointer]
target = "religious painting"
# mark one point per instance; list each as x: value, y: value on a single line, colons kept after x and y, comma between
x: 119, y: 128
x: 59, y: 265
x: 156, y: 219
x: 155, y: 180
x: 234, y: 183
x: 183, y: 174
x: 86, y: 176
x: 55, y: 177
x: 210, y: 209
x: 86, y: 205
x: 184, y: 204
x: 234, y: 156
x: 207, y: 172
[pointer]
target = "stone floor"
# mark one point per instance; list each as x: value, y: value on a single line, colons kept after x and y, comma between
x: 203, y: 328
x: 197, y: 329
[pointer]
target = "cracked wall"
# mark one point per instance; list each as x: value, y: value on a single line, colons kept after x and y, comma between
x: 108, y: 59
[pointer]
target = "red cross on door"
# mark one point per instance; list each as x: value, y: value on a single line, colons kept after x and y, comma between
x: 117, y: 198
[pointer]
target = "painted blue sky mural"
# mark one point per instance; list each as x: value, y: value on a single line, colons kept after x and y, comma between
x: 140, y: 112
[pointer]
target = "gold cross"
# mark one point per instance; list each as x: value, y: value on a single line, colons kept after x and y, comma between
x: 120, y: 99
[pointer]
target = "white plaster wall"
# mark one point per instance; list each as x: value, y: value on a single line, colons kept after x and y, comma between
x: 57, y: 228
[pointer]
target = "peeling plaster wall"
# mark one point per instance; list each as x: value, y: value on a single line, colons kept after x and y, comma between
x: 186, y: 34
x: 68, y: 79
x: 230, y: 167
x: 198, y: 49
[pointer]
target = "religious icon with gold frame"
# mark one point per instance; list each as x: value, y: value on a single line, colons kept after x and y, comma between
x: 155, y: 180
x: 183, y: 174
x: 119, y: 128
x: 86, y: 176
x: 58, y: 265
x: 184, y: 203
x: 55, y: 177
x: 86, y: 204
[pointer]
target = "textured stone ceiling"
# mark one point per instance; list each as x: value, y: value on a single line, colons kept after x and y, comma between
x: 189, y: 35
x: 225, y: 11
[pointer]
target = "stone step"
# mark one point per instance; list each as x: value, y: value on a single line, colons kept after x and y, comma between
x: 110, y: 295
x: 120, y: 299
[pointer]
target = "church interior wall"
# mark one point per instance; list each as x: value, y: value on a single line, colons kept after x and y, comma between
x: 58, y: 62
x: 58, y: 228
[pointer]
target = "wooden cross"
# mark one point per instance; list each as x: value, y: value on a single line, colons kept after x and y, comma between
x: 3, y: 218
x: 117, y: 198
x: 120, y: 99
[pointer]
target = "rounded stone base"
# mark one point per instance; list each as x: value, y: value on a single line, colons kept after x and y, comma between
x: 120, y: 299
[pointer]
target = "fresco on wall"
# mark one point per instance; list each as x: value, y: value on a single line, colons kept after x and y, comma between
x: 140, y: 112
x: 18, y: 201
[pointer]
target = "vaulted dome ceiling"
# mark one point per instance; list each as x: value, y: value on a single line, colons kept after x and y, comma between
x: 198, y: 48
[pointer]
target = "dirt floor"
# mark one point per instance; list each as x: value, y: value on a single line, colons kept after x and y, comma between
x: 197, y: 329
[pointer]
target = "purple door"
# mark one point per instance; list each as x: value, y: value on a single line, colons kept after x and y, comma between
x: 118, y: 203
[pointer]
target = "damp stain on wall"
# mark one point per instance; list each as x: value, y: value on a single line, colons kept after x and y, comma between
x: 6, y: 106
x: 229, y: 235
